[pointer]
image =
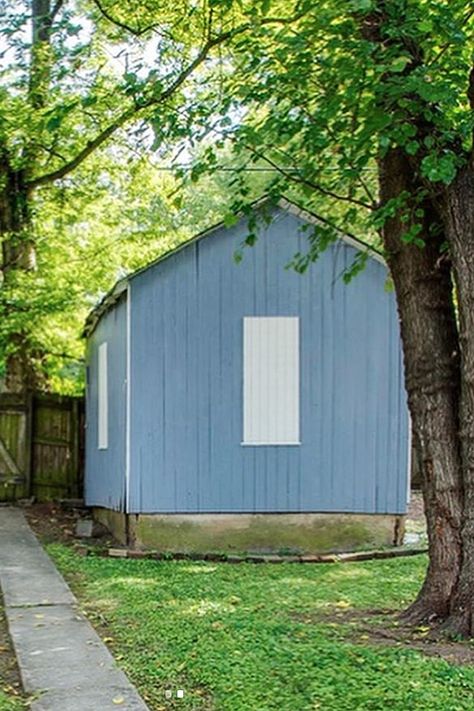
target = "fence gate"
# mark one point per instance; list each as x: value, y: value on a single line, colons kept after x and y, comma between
x: 15, y: 449
x: 41, y: 446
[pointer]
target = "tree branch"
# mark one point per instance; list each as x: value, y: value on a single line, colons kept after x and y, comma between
x: 123, y: 25
x: 134, y: 111
x: 445, y: 47
x: 56, y: 9
x: 89, y: 148
x: 297, y: 178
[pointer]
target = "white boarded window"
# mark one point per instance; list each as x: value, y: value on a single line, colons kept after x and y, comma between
x: 103, y: 405
x: 271, y: 380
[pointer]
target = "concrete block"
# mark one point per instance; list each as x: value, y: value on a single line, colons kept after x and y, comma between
x: 118, y: 553
x: 88, y: 528
x: 84, y: 528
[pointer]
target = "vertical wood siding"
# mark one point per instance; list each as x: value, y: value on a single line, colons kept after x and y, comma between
x: 105, y: 468
x: 186, y: 424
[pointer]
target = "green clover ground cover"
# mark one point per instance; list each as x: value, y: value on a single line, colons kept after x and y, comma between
x: 256, y: 637
x: 9, y: 703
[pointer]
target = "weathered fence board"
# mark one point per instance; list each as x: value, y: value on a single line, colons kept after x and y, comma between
x: 15, y: 450
x: 41, y: 447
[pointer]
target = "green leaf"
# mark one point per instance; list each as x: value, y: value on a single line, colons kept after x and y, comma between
x: 425, y: 25
x: 238, y: 256
x: 230, y: 219
x: 439, y: 168
x: 399, y: 63
x: 87, y: 101
x: 412, y: 147
x: 53, y: 123
x: 361, y: 5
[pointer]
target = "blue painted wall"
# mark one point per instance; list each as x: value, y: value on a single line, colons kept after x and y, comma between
x: 105, y: 468
x: 187, y: 378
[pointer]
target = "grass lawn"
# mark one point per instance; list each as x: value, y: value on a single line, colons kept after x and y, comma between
x: 10, y: 703
x: 256, y: 637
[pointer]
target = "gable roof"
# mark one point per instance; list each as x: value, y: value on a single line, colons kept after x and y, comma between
x: 120, y: 287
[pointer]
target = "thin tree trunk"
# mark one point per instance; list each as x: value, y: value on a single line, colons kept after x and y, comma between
x: 459, y: 218
x: 430, y: 345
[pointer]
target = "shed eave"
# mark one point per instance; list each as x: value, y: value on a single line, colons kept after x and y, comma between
x: 313, y: 219
x: 104, y: 305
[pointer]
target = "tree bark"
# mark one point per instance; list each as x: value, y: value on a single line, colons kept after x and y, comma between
x: 18, y: 255
x: 422, y: 278
x: 459, y: 219
x: 17, y: 242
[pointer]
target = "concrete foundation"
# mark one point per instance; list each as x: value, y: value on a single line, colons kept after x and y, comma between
x: 298, y: 533
x: 115, y: 521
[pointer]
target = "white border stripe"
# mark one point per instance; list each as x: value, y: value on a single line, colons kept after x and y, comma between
x: 127, y: 403
x: 102, y: 398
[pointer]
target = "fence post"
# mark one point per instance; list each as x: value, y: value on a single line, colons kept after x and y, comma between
x: 29, y: 405
x: 75, y: 444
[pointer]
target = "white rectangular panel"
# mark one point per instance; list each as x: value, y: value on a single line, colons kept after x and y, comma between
x: 103, y: 405
x: 271, y: 380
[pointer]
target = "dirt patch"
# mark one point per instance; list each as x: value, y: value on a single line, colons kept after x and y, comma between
x: 10, y: 681
x: 382, y: 627
x: 53, y: 523
x: 422, y: 639
x: 332, y: 614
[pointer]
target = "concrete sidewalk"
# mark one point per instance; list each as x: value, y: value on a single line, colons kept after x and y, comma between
x: 61, y: 657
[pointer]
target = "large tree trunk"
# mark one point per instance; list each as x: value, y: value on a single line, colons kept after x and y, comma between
x: 431, y: 354
x: 17, y: 243
x: 459, y: 219
x: 18, y: 256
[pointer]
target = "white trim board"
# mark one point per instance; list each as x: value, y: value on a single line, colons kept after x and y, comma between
x: 128, y: 385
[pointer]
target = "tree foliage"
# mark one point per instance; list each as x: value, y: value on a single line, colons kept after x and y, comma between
x: 325, y: 97
x: 84, y: 86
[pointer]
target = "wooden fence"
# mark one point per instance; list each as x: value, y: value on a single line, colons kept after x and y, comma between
x: 41, y: 447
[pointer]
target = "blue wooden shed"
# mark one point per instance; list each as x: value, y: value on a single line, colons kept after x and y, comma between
x: 234, y: 406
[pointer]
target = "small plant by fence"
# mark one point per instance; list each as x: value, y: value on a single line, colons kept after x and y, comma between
x: 41, y: 446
